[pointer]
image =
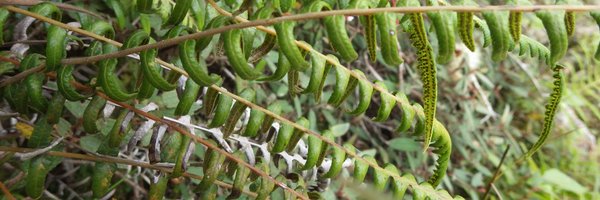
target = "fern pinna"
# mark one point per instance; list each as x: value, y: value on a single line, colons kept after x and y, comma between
x: 234, y: 127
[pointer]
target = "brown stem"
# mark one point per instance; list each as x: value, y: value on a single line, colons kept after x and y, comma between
x: 10, y: 60
x: 21, y: 75
x: 6, y: 192
x: 496, y: 174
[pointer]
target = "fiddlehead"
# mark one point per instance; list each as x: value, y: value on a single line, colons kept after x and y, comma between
x: 109, y: 81
x: 443, y: 146
x: 151, y: 70
x: 64, y: 79
x: 197, y: 70
x: 551, y: 108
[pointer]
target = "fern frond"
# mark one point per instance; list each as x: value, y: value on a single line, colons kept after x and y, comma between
x: 427, y: 68
x: 596, y: 17
x: 443, y: 23
x: 498, y: 26
x: 243, y: 117
x: 485, y: 30
x: 533, y: 48
x: 557, y: 33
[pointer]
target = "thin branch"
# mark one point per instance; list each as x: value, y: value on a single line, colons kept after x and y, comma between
x: 21, y: 75
x: 497, y: 192
x: 10, y: 60
x: 137, y: 187
x: 496, y: 174
x: 32, y: 42
x: 29, y: 155
x: 6, y: 192
x: 110, y: 159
